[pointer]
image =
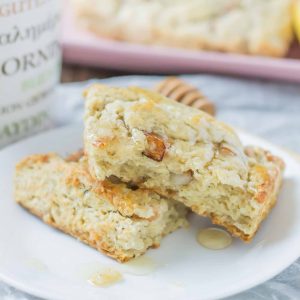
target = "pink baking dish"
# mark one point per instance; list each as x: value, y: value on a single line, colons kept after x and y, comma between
x: 84, y: 48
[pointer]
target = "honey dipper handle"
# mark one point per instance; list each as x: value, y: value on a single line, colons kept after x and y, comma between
x: 180, y: 91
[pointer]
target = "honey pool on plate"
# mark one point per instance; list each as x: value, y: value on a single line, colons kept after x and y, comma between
x: 105, y: 275
x: 105, y: 278
x: 214, y: 238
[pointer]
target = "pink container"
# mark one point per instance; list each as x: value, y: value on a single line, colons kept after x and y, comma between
x: 84, y: 48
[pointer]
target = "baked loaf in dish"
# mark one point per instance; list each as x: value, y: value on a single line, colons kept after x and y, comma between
x: 113, y: 218
x: 179, y: 152
x: 259, y: 27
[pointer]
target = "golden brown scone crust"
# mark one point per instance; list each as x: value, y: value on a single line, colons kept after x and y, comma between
x: 82, y: 236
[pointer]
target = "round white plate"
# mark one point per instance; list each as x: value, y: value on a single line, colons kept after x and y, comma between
x: 45, y: 262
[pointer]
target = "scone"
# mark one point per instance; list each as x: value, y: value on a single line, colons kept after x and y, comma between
x: 259, y: 27
x: 179, y: 152
x: 113, y: 218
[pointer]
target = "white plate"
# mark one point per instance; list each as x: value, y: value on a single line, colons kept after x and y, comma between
x: 47, y: 263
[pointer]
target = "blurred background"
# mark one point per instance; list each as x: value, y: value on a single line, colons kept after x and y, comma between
x: 235, y: 37
x: 242, y: 39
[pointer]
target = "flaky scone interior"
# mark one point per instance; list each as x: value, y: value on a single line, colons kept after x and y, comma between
x: 114, y: 218
x: 179, y: 152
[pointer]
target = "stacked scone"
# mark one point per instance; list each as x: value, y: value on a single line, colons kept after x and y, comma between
x: 147, y: 159
x: 114, y: 218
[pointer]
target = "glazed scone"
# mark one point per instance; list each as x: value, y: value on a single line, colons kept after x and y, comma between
x: 180, y: 152
x: 114, y: 219
x: 259, y: 27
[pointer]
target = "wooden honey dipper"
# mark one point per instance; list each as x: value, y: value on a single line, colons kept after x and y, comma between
x: 180, y: 91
